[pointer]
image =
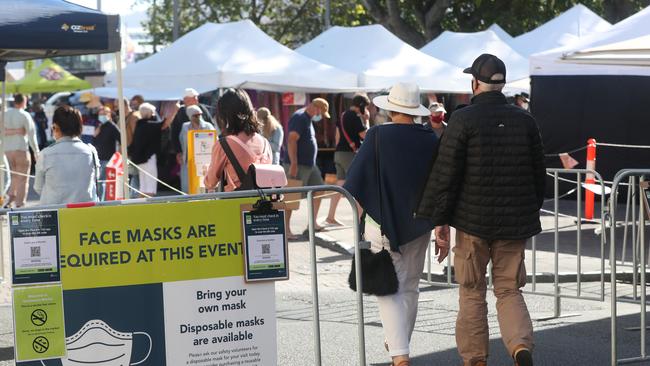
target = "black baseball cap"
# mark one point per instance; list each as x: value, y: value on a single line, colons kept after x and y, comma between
x: 488, y: 69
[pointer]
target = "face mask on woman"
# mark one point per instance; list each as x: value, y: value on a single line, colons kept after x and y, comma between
x: 102, y: 118
x: 438, y: 119
x: 317, y: 118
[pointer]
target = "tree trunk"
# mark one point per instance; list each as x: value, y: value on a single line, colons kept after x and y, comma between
x: 390, y: 16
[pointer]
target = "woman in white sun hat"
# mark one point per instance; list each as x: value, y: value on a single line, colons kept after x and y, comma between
x: 386, y: 178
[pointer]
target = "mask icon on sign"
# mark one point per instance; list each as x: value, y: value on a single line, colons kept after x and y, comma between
x: 96, y: 343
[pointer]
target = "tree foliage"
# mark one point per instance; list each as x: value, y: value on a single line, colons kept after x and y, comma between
x: 418, y: 22
x: 518, y: 17
x: 291, y: 22
x: 294, y: 22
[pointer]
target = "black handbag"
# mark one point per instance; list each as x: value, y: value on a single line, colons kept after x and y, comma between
x: 377, y: 269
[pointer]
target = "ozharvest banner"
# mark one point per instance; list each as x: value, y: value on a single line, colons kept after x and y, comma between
x: 152, y: 284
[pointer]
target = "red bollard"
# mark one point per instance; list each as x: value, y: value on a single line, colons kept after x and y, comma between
x: 591, y: 165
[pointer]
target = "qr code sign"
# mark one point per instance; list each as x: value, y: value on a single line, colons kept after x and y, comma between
x: 266, y: 248
x: 35, y: 252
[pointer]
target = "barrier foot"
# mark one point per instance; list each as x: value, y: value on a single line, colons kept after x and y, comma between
x: 587, y: 221
x: 635, y: 329
x: 553, y: 317
x: 632, y: 360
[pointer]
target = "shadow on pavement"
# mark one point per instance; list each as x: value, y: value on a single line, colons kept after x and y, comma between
x: 6, y: 353
x: 585, y: 343
x: 336, y: 258
x: 590, y: 245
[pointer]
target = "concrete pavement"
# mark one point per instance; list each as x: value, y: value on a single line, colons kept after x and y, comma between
x: 339, y: 238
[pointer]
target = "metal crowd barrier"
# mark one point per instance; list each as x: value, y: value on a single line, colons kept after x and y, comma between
x: 556, y: 293
x: 2, y: 252
x: 633, y: 214
x: 620, y: 177
x: 312, y: 221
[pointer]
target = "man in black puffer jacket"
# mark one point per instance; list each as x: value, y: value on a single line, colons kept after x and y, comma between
x: 488, y: 183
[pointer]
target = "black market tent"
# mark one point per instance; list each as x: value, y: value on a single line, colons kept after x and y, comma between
x: 597, y: 88
x: 49, y: 28
x: 33, y: 29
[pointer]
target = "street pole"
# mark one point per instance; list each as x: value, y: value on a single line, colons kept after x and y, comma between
x: 122, y: 121
x: 328, y: 14
x: 3, y: 107
x: 99, y: 57
x: 176, y: 30
x: 153, y: 41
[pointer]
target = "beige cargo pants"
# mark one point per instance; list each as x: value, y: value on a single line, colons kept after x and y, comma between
x: 472, y: 255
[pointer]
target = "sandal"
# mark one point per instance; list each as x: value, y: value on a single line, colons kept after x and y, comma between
x: 293, y: 237
x: 333, y: 223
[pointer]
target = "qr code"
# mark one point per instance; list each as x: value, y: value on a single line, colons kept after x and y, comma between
x: 35, y: 251
x: 266, y: 248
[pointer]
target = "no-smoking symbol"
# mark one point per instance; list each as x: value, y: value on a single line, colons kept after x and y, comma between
x: 39, y: 317
x: 41, y: 344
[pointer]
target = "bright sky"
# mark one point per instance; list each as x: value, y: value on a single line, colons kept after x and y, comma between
x: 109, y: 6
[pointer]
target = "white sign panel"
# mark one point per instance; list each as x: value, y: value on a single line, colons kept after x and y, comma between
x: 220, y: 321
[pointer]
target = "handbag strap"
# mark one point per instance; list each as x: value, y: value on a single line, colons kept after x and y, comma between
x: 379, y: 185
x: 353, y: 146
x: 233, y: 160
x: 244, y: 146
x: 267, y: 147
x: 96, y: 169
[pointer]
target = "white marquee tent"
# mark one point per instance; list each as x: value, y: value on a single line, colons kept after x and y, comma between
x: 500, y: 32
x: 622, y: 50
x: 236, y: 54
x: 380, y: 59
x: 461, y: 49
x: 563, y: 30
x: 632, y: 52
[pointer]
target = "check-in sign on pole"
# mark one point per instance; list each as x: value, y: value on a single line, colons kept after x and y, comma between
x: 35, y: 246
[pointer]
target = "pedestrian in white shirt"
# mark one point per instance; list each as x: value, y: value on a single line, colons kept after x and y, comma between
x: 20, y: 135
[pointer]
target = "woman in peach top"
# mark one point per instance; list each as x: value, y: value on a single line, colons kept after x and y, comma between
x: 235, y: 113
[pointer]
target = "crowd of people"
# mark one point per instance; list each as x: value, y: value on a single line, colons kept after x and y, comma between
x: 480, y: 170
x: 29, y: 132
x: 156, y: 140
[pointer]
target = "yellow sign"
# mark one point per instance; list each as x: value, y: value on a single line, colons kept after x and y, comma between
x: 38, y: 316
x: 146, y: 244
x: 199, y: 155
